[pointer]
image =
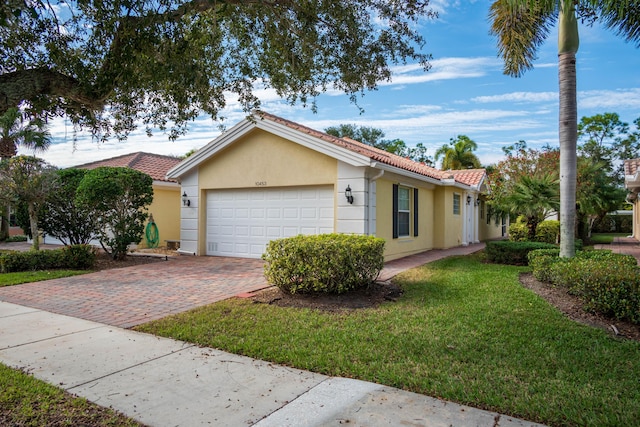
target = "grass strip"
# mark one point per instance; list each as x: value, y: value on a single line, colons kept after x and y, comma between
x: 464, y: 331
x: 27, y: 401
x: 17, y: 278
x: 605, y: 238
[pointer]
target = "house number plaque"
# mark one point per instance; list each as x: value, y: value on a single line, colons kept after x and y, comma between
x: 261, y: 183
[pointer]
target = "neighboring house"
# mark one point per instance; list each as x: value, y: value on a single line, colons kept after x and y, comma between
x: 632, y: 184
x: 165, y: 207
x: 268, y: 178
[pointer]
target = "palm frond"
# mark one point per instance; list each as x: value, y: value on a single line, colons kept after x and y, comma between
x: 622, y: 16
x: 521, y: 27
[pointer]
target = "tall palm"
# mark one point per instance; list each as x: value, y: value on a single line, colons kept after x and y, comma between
x: 521, y: 26
x: 16, y: 131
x: 458, y: 154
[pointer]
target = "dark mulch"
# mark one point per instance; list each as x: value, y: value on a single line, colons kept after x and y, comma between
x: 367, y: 297
x: 572, y: 307
x: 105, y: 262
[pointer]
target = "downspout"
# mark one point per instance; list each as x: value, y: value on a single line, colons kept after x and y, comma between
x: 371, y: 206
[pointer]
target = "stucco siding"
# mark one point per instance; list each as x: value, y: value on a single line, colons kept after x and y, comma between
x: 165, y: 209
x: 448, y: 227
x: 407, y: 245
x: 261, y: 159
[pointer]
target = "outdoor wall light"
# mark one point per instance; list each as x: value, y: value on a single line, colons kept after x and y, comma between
x: 348, y: 195
x: 468, y: 200
x: 185, y: 200
x: 478, y: 201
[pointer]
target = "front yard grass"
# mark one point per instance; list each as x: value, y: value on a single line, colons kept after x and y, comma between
x: 464, y: 331
x: 27, y: 401
x: 605, y: 238
x: 9, y: 279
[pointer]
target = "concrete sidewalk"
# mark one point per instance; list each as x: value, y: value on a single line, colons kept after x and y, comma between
x: 163, y: 382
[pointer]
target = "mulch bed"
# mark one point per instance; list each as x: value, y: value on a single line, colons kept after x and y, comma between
x: 368, y: 297
x: 572, y: 307
x: 105, y: 262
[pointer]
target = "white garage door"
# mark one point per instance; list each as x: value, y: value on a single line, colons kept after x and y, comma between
x: 240, y: 223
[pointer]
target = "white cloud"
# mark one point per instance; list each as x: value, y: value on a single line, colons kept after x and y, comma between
x: 442, y: 69
x: 518, y: 97
x: 613, y: 100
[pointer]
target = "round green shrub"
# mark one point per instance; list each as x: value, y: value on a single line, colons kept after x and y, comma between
x: 328, y: 263
x: 548, y: 231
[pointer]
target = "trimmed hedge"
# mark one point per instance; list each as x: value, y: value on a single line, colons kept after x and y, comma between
x: 540, y: 260
x: 328, y: 263
x: 75, y: 257
x: 548, y: 231
x: 512, y: 253
x: 18, y: 238
x: 606, y: 282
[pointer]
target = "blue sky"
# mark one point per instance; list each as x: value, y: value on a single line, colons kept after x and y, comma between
x: 464, y: 93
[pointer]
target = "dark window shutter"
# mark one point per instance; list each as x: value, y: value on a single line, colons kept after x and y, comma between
x: 395, y: 211
x: 415, y: 212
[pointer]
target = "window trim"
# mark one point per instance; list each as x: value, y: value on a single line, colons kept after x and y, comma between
x: 457, y: 197
x: 413, y: 210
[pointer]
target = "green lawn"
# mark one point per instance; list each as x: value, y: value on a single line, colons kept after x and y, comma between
x: 605, y: 238
x: 26, y: 401
x: 464, y: 331
x: 9, y: 279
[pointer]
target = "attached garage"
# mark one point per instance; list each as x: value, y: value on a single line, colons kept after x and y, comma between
x: 241, y: 222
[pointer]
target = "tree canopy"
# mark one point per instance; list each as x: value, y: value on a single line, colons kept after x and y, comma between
x: 374, y: 137
x: 108, y: 65
x: 119, y: 198
x: 458, y: 154
x: 27, y: 179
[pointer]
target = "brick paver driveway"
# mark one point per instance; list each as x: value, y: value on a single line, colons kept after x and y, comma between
x: 130, y: 296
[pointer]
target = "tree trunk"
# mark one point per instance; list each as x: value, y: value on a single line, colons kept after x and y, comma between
x: 4, y: 223
x: 568, y: 125
x: 33, y: 221
x: 568, y: 131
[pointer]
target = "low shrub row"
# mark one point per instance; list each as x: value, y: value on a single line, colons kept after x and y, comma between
x: 331, y: 263
x: 512, y: 253
x: 515, y: 253
x: 547, y: 231
x: 607, y: 283
x: 18, y: 238
x: 75, y: 257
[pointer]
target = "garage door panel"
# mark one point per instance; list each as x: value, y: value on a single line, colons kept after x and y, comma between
x: 241, y: 222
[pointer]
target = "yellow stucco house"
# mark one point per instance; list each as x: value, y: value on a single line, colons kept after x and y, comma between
x: 165, y: 207
x: 268, y: 178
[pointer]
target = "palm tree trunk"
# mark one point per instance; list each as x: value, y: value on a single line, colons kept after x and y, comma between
x: 568, y: 41
x: 568, y: 131
x: 33, y: 221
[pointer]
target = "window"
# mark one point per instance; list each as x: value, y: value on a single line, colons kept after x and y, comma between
x: 456, y: 204
x: 482, y: 209
x: 404, y: 211
x: 404, y: 206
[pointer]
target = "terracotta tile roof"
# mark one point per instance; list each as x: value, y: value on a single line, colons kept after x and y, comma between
x: 472, y: 177
x: 631, y: 166
x: 154, y: 165
x: 364, y: 149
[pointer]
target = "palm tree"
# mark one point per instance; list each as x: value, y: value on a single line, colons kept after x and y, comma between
x: 16, y: 131
x: 458, y: 154
x: 535, y: 197
x: 521, y: 26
